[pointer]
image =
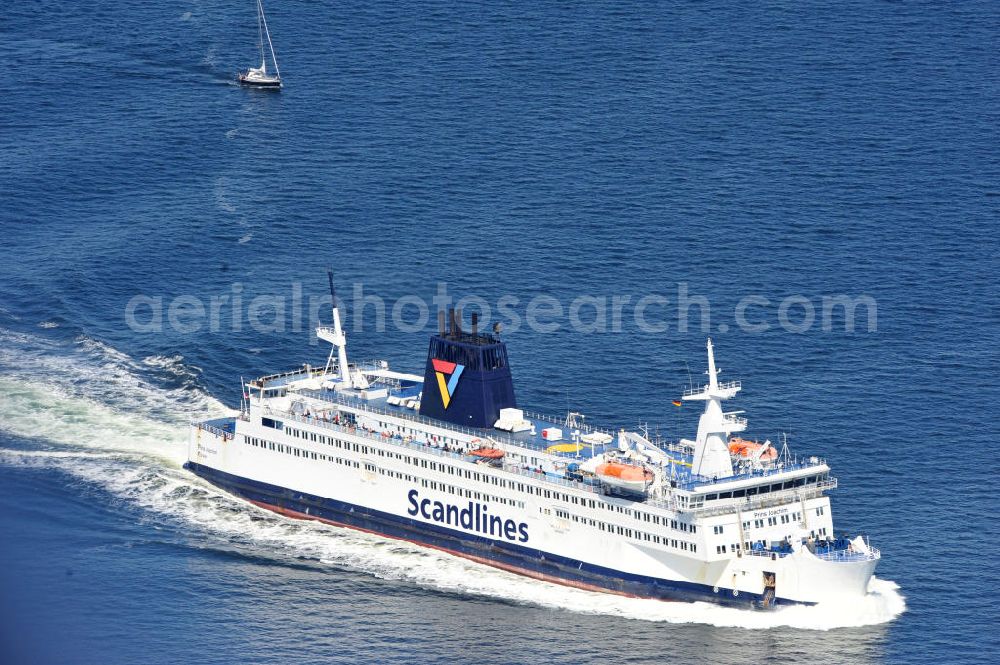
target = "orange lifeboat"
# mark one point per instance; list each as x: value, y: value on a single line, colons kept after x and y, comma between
x: 744, y: 448
x: 624, y: 477
x: 487, y: 453
x: 624, y: 471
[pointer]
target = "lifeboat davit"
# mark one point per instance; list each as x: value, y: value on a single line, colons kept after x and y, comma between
x: 627, y: 478
x: 743, y: 448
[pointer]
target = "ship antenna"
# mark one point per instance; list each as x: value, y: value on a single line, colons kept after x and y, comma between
x: 336, y: 337
x: 244, y: 408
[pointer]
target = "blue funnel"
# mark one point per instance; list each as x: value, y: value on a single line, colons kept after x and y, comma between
x: 467, y: 378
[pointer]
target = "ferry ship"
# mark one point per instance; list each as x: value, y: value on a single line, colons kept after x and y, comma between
x: 448, y: 460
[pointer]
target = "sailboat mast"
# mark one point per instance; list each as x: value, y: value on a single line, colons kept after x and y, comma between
x: 260, y: 34
x: 269, y: 44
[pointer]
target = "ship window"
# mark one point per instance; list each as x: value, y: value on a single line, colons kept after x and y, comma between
x: 717, y: 529
x: 711, y: 497
x: 725, y: 495
x: 737, y: 494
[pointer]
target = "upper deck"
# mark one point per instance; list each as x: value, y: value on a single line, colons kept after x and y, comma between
x: 392, y: 394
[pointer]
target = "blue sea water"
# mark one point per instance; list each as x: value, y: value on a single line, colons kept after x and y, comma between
x: 517, y: 149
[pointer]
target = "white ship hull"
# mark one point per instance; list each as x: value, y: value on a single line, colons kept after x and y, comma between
x: 393, y: 488
x: 471, y: 474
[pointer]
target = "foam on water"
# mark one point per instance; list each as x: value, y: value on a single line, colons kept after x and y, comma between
x: 130, y: 442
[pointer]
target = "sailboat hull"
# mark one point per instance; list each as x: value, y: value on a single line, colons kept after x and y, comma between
x: 258, y: 83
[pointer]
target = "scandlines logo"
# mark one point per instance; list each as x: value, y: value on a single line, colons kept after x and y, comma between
x: 442, y: 369
x: 472, y: 517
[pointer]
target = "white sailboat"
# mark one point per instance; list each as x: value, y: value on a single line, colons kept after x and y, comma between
x: 259, y: 77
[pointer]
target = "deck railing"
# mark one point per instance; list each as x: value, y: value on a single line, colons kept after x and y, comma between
x: 849, y: 555
x: 768, y: 554
x: 561, y: 423
x: 492, y: 436
x: 412, y: 417
x: 725, y: 385
x: 212, y: 429
x: 691, y: 482
x: 427, y: 448
x: 760, y: 501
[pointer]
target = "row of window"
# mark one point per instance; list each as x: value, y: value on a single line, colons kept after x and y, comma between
x: 470, y: 494
x: 772, y: 521
x: 629, y: 533
x: 494, y: 480
x: 765, y: 489
x: 292, y: 450
x: 735, y: 547
x: 297, y: 452
x: 759, y: 524
x: 444, y: 487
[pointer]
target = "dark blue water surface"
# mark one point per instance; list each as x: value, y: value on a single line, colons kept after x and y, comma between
x: 506, y: 149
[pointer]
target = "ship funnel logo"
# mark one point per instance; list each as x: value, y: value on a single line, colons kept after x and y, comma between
x: 447, y: 378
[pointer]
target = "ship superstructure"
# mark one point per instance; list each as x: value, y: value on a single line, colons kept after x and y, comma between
x: 448, y: 460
